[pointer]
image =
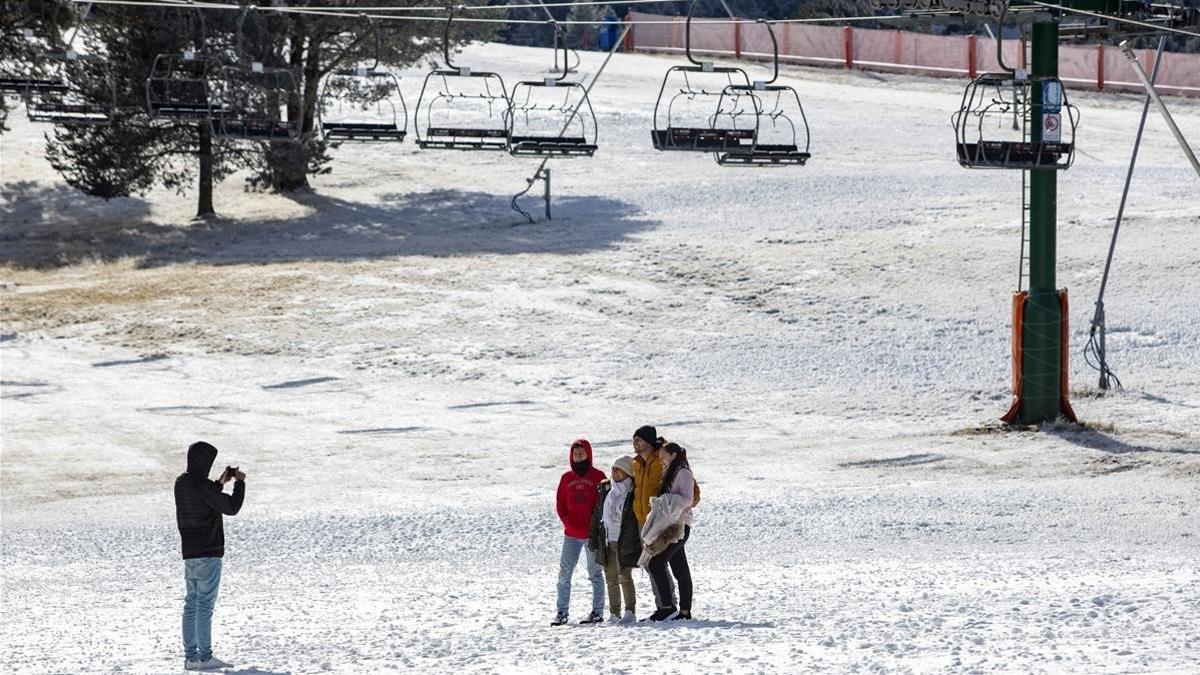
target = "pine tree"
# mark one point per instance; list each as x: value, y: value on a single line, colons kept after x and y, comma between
x: 158, y: 150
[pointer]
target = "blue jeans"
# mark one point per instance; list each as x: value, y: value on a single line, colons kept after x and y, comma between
x: 566, y: 565
x: 203, y: 578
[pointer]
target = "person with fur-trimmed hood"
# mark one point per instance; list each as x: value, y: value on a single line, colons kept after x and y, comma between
x: 576, y: 501
x: 666, y: 531
x: 615, y: 538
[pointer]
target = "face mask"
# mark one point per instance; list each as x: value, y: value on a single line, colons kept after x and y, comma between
x: 580, y: 467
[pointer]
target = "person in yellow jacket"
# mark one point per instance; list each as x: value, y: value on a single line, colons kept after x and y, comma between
x: 647, y: 470
x: 647, y: 478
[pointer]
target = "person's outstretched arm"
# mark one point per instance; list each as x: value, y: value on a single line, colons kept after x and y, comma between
x: 227, y: 504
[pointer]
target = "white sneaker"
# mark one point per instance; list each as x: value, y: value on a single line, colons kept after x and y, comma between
x: 629, y: 617
x: 613, y: 618
x: 213, y: 663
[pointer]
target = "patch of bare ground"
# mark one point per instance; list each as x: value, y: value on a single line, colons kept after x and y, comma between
x: 144, y: 307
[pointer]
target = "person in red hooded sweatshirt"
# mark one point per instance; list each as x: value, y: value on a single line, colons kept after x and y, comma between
x: 577, y: 495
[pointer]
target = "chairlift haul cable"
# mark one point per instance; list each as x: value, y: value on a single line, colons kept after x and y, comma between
x: 168, y: 4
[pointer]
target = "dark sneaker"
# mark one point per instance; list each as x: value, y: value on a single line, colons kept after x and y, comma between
x: 662, y: 614
x: 559, y: 619
x: 682, y: 616
x: 594, y: 617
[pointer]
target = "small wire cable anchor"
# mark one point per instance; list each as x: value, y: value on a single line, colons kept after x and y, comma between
x: 542, y: 174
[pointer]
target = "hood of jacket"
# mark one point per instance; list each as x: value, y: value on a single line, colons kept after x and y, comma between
x: 586, y: 446
x: 200, y: 459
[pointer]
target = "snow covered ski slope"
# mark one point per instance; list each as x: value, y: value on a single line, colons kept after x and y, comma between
x: 399, y: 365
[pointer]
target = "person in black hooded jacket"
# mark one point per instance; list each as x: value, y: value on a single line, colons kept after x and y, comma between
x: 200, y: 505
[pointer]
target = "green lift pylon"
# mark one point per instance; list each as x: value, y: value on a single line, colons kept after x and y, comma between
x: 1042, y: 334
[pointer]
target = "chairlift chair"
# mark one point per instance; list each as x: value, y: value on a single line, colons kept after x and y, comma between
x: 1012, y: 121
x: 1009, y: 120
x: 781, y: 129
x: 20, y: 77
x: 179, y: 83
x: 701, y: 113
x: 178, y: 86
x: 68, y: 105
x: 551, y: 117
x: 467, y: 111
x: 254, y: 103
x: 363, y: 103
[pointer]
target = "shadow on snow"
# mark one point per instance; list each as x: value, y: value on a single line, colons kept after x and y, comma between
x: 57, y: 226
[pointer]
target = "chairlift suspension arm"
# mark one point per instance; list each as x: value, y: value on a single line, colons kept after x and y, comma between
x: 446, y: 37
x: 687, y: 35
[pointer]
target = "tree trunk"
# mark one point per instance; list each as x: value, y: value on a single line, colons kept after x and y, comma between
x: 205, y: 207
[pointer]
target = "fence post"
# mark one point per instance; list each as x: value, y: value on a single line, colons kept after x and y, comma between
x: 972, y: 66
x: 1100, y: 67
x: 848, y: 42
x: 628, y: 46
x: 737, y: 39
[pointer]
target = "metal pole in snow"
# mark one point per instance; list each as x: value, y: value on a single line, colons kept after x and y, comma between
x: 1098, y: 320
x: 1162, y: 107
x: 1041, y: 342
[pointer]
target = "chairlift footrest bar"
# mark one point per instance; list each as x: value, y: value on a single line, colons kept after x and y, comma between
x: 69, y: 119
x: 20, y: 86
x: 186, y: 109
x: 765, y: 156
x: 460, y: 145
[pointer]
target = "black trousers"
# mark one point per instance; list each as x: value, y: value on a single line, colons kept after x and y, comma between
x: 676, y: 557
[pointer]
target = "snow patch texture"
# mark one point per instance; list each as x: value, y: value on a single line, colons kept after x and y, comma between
x: 399, y: 364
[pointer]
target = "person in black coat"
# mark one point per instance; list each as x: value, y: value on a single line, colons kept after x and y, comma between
x: 200, y: 505
x: 614, y: 536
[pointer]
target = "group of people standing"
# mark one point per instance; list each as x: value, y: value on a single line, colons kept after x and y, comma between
x: 640, y: 517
